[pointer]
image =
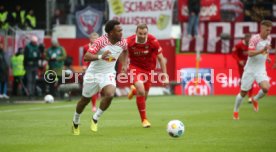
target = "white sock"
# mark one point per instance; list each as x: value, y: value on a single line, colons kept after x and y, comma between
x: 238, y: 102
x: 97, y: 114
x: 259, y: 95
x: 76, y: 118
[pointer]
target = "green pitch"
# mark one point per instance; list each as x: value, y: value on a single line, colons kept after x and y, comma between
x: 208, y: 121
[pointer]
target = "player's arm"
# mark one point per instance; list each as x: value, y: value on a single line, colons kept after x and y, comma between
x: 162, y: 62
x: 123, y: 60
x: 88, y: 57
x: 92, y: 53
x: 256, y: 52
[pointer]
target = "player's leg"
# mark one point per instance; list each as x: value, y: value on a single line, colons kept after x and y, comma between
x: 263, y: 82
x: 93, y: 102
x: 132, y: 92
x: 89, y: 88
x: 145, y: 122
x: 141, y: 99
x: 246, y: 84
x: 108, y: 87
x: 250, y: 94
x: 264, y: 89
x: 241, y: 70
x: 108, y: 94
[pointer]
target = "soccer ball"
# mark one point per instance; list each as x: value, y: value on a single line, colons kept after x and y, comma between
x: 175, y: 128
x: 49, y: 98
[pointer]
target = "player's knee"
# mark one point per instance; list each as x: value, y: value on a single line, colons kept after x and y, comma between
x: 140, y: 92
x: 243, y: 93
x: 109, y: 95
x: 265, y: 89
x: 84, y: 101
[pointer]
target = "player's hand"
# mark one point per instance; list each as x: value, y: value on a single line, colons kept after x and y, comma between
x: 165, y: 81
x: 241, y: 63
x: 124, y: 69
x: 105, y: 54
x: 268, y: 60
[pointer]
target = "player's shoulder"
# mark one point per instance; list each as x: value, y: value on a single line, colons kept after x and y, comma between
x: 131, y: 38
x: 151, y: 37
x: 255, y: 37
x: 101, y: 39
x: 123, y: 41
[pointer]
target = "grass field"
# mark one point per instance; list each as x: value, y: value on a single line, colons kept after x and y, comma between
x: 208, y: 120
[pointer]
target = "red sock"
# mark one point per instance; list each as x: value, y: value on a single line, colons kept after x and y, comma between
x: 141, y: 105
x: 250, y: 93
x: 94, y: 99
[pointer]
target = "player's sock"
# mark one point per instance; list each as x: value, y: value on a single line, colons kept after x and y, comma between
x: 93, y: 102
x: 141, y: 105
x: 76, y: 119
x: 259, y: 95
x: 238, y: 102
x: 97, y: 115
x: 94, y: 99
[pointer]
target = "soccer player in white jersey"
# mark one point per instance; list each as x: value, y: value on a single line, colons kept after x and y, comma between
x: 255, y: 68
x: 100, y: 74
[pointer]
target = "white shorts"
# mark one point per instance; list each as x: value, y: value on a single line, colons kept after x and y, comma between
x: 93, y: 83
x: 248, y: 79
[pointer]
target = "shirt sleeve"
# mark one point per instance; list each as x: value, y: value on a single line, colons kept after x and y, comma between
x: 124, y: 45
x: 252, y: 44
x: 157, y: 46
x: 95, y: 47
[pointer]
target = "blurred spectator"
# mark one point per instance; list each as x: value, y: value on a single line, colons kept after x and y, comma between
x: 4, y: 74
x: 42, y: 68
x: 194, y: 10
x: 17, y: 70
x: 18, y: 17
x: 30, y: 22
x: 31, y: 57
x: 55, y: 56
x: 4, y: 25
x: 58, y: 18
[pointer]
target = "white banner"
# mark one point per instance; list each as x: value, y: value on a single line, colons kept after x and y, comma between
x: 22, y: 38
x: 157, y: 14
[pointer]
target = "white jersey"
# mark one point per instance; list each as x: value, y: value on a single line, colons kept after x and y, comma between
x: 106, y: 65
x: 256, y: 64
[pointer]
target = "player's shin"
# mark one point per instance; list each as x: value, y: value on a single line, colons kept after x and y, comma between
x: 141, y: 105
x: 76, y: 118
x: 238, y: 102
x: 259, y: 95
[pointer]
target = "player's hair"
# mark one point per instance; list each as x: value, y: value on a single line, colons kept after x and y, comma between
x: 94, y: 34
x: 109, y: 26
x: 267, y: 23
x: 141, y: 26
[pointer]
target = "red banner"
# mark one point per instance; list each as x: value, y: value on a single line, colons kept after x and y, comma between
x: 224, y: 72
x: 209, y: 10
x: 219, y: 37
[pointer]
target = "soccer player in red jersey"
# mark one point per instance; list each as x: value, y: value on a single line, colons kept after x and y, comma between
x: 143, y: 50
x: 92, y: 38
x: 240, y: 54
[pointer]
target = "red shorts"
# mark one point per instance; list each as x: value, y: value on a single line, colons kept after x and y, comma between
x: 140, y: 74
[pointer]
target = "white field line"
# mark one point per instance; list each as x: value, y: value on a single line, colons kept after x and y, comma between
x: 37, y: 108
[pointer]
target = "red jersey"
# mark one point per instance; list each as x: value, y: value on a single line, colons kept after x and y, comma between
x: 143, y: 55
x: 240, y: 51
x: 85, y: 49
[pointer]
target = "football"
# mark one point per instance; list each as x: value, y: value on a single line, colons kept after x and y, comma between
x: 175, y: 128
x: 49, y: 98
